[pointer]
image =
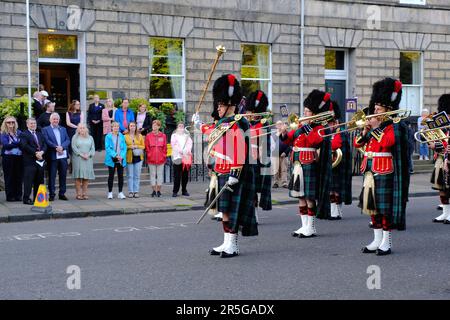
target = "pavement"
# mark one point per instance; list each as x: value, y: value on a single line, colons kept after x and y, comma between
x: 99, y: 205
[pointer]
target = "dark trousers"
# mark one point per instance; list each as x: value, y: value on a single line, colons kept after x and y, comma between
x: 112, y: 170
x: 13, y: 173
x: 59, y: 165
x: 33, y: 177
x: 180, y: 175
x: 97, y: 135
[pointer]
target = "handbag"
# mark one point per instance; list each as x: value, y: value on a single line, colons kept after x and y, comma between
x: 136, y: 154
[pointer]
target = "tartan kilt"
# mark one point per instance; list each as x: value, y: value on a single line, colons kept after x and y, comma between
x: 309, y: 181
x: 336, y: 185
x: 384, y: 194
x: 438, y: 177
x: 264, y: 187
x: 239, y: 204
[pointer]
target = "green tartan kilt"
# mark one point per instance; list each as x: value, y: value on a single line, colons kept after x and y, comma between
x: 336, y: 185
x: 263, y: 187
x: 309, y: 181
x: 384, y: 194
x: 239, y: 204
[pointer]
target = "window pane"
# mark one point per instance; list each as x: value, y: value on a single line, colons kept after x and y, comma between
x: 410, y: 68
x: 60, y: 46
x: 249, y: 86
x: 166, y: 56
x: 255, y: 61
x: 165, y: 87
x: 334, y: 60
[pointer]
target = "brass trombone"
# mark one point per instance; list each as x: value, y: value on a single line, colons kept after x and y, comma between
x: 294, y: 120
x: 358, y: 121
x: 431, y: 135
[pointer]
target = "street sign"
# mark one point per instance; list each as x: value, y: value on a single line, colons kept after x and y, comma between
x: 351, y: 105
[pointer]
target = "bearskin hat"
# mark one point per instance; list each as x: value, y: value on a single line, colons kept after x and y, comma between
x: 227, y: 90
x: 387, y: 93
x: 335, y: 108
x: 318, y: 101
x: 215, y: 112
x: 257, y: 102
x: 444, y: 103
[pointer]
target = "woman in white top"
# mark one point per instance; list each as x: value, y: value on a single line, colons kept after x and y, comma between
x: 181, y: 144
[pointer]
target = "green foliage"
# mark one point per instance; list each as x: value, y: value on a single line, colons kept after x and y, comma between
x: 179, y: 116
x: 168, y: 108
x: 118, y: 102
x: 11, y: 107
x: 136, y: 102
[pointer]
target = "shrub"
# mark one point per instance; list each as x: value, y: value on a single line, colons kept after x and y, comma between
x: 11, y: 107
x: 136, y: 102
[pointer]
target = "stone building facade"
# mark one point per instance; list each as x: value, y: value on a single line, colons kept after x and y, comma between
x: 113, y: 43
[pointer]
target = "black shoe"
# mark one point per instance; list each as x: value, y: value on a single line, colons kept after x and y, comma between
x: 275, y: 185
x: 295, y: 234
x: 214, y: 252
x: 439, y: 208
x: 334, y: 218
x: 223, y: 254
x: 285, y: 186
x: 174, y: 194
x: 28, y: 201
x: 186, y: 194
x: 158, y: 194
x: 365, y: 250
x: 51, y: 198
x: 303, y: 236
x: 383, y: 253
x: 63, y: 197
x: 438, y: 221
x: 153, y: 194
x: 446, y: 221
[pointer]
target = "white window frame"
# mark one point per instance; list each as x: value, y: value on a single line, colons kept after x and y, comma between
x: 416, y: 2
x: 181, y: 100
x: 420, y: 86
x: 81, y: 60
x: 269, y: 93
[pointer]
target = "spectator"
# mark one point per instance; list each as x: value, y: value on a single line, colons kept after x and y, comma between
x: 33, y: 148
x: 38, y: 106
x: 12, y: 161
x: 423, y: 150
x: 156, y: 150
x: 280, y: 163
x: 83, y: 151
x: 135, y: 156
x: 44, y: 98
x: 44, y: 118
x: 108, y: 114
x: 73, y: 118
x: 58, y: 144
x: 94, y: 118
x: 143, y: 120
x: 115, y: 158
x: 124, y: 116
x: 181, y: 144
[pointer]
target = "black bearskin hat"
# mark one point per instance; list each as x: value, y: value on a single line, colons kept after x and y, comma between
x: 215, y: 112
x: 335, y: 108
x: 387, y: 93
x: 257, y: 102
x: 317, y: 101
x: 227, y: 90
x: 444, y: 103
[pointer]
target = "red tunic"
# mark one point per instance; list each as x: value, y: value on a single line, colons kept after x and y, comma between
x: 378, y: 151
x: 230, y: 150
x: 305, y: 145
x: 336, y: 142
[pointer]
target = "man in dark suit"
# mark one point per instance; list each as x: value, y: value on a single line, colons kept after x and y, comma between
x: 58, y: 142
x: 33, y: 148
x: 95, y: 122
x: 38, y: 107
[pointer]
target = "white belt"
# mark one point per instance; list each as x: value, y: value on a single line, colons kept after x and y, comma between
x: 377, y: 154
x: 221, y: 156
x: 296, y: 149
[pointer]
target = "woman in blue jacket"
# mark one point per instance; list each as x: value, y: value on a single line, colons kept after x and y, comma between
x: 115, y: 158
x: 11, y: 159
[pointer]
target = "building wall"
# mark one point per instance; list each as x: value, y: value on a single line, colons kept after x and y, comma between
x: 117, y: 34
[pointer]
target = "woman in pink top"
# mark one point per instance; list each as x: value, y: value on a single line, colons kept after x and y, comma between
x: 156, y: 150
x: 108, y: 116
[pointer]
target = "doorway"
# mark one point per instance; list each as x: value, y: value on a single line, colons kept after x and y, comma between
x: 62, y: 82
x: 337, y: 90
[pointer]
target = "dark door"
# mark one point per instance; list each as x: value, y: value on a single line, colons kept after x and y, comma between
x: 337, y: 90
